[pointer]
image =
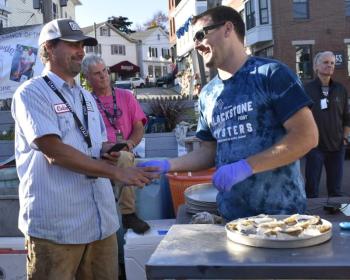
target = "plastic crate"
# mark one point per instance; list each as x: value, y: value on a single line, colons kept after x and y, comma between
x: 180, y: 181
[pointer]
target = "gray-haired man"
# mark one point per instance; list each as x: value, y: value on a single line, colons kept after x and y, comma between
x: 123, y: 116
x: 331, y: 113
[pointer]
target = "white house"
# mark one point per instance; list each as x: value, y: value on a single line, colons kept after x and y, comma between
x: 117, y: 49
x: 4, y: 12
x: 154, y: 52
x: 21, y: 12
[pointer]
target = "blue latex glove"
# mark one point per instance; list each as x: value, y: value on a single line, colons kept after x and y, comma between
x: 163, y: 165
x: 230, y: 174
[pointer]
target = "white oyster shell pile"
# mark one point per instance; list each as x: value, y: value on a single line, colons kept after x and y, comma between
x: 292, y: 227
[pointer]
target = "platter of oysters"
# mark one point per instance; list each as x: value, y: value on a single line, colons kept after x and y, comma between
x: 279, y: 231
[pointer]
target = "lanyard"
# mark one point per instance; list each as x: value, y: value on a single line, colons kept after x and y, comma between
x: 81, y: 127
x: 116, y: 111
x: 325, y: 91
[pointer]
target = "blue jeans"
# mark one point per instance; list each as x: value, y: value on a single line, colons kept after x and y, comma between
x: 333, y: 163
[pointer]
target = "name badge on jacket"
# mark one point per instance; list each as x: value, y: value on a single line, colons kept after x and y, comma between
x: 61, y: 108
x: 324, y: 103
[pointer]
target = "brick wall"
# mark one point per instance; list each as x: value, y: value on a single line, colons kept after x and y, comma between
x: 327, y: 26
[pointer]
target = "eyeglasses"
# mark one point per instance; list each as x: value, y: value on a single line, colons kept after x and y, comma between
x: 200, y: 34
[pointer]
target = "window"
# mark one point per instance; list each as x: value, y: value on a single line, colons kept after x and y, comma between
x: 118, y: 49
x: 54, y: 11
x: 301, y: 9
x: 150, y: 71
x: 348, y: 59
x: 93, y: 49
x: 250, y: 14
x: 104, y: 31
x: 347, y: 8
x: 241, y: 13
x: 267, y: 52
x: 157, y: 71
x: 263, y: 12
x: 165, y: 53
x: 172, y: 26
x: 303, y: 61
x: 152, y: 52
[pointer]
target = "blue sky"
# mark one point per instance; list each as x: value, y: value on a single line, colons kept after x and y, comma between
x: 138, y: 11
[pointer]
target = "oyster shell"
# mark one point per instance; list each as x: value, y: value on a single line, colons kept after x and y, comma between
x: 292, y: 227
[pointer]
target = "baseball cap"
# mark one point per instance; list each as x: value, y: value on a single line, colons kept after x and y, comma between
x: 65, y: 30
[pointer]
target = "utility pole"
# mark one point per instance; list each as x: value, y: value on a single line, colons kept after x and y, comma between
x: 46, y: 9
x: 213, y: 4
x: 212, y: 71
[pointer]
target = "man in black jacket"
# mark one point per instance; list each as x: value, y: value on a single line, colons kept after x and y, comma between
x: 331, y: 113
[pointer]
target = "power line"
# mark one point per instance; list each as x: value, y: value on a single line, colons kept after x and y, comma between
x: 29, y: 18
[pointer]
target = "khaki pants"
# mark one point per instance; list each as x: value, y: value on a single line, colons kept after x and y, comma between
x: 51, y: 261
x: 125, y: 194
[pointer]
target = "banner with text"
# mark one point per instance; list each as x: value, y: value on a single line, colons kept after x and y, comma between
x: 19, y: 59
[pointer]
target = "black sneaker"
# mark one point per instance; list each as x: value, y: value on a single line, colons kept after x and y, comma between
x: 133, y: 222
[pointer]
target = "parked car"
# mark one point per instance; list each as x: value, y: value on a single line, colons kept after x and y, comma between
x: 133, y: 82
x: 165, y: 80
x: 123, y: 84
x: 137, y: 82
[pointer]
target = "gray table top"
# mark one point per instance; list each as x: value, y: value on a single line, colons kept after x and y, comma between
x: 204, y: 252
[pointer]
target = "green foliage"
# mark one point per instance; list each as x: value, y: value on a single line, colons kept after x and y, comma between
x: 7, y: 134
x: 121, y: 23
x: 84, y: 83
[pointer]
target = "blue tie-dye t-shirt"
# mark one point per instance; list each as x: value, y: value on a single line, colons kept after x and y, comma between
x: 245, y: 115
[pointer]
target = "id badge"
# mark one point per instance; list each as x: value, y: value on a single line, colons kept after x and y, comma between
x: 324, y: 103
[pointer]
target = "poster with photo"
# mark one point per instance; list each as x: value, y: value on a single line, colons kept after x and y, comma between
x: 19, y: 60
x: 23, y: 62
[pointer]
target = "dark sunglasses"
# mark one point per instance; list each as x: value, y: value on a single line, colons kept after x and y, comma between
x: 200, y: 34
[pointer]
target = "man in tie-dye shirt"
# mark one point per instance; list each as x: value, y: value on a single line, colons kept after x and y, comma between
x: 254, y: 123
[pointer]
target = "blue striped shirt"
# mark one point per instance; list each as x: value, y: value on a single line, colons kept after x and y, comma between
x: 55, y: 203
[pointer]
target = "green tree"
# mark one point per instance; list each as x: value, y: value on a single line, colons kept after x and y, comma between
x: 121, y: 23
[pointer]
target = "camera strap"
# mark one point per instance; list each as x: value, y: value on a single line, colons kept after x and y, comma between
x: 81, y: 127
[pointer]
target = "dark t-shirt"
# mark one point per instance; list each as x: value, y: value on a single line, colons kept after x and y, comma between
x: 330, y: 121
x: 245, y: 115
